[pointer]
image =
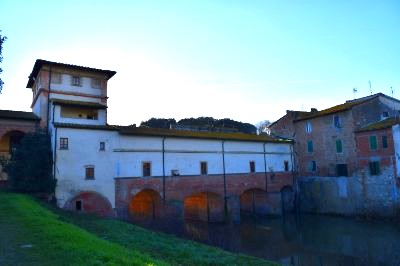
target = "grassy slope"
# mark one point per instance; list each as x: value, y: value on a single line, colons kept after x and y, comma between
x: 60, y: 238
x: 54, y: 242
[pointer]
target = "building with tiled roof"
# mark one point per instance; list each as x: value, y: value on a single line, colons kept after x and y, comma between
x: 96, y: 164
x: 349, y: 152
x: 325, y: 141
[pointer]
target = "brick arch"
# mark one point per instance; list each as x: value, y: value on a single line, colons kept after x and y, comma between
x: 254, y: 201
x: 9, y: 138
x: 204, y: 206
x: 145, y: 204
x: 287, y: 199
x: 90, y: 202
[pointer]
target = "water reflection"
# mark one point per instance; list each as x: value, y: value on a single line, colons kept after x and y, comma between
x: 303, y: 240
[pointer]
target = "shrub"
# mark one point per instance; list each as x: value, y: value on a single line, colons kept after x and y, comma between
x: 30, y: 167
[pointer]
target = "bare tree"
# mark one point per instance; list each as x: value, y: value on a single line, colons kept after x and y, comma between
x: 262, y: 127
x: 2, y: 40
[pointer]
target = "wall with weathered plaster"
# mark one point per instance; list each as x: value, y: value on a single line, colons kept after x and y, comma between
x: 363, y: 193
x: 124, y: 156
x: 396, y: 146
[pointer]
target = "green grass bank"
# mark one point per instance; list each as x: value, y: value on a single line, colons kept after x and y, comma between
x: 32, y: 233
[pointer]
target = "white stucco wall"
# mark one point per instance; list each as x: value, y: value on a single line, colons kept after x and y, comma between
x: 85, y: 87
x: 124, y: 156
x: 396, y: 143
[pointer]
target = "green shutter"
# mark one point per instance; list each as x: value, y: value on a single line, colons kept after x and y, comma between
x: 384, y: 142
x: 310, y: 146
x: 339, y: 147
x: 373, y: 144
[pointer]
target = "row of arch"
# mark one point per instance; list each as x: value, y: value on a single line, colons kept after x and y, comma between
x: 204, y: 206
x: 209, y: 206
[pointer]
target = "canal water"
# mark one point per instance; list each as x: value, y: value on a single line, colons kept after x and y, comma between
x: 296, y: 240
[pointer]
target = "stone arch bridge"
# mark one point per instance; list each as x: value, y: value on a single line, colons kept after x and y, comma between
x: 212, y: 198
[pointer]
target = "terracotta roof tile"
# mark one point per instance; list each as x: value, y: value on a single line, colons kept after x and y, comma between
x: 198, y: 135
x: 40, y: 62
x: 8, y: 114
x: 387, y: 123
x: 337, y: 108
x: 161, y: 132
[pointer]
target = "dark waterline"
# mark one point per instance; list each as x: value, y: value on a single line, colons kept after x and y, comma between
x: 303, y: 240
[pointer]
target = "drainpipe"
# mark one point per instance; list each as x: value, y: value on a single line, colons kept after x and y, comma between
x: 294, y: 180
x: 163, y: 166
x: 48, y: 101
x: 224, y: 173
x: 55, y: 150
x: 265, y: 169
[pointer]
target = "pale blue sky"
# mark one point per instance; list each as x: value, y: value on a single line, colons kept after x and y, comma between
x: 245, y: 60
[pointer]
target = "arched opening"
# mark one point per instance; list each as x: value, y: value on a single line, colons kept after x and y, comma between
x: 8, y: 143
x: 204, y: 206
x: 254, y: 201
x: 90, y: 202
x: 287, y: 198
x: 145, y: 204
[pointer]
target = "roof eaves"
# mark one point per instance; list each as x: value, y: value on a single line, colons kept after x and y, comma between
x: 335, y: 109
x: 80, y: 104
x: 18, y: 115
x: 384, y: 124
x: 197, y: 135
x: 90, y: 127
x: 40, y: 62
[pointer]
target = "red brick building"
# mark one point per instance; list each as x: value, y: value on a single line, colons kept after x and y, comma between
x: 377, y: 164
x: 347, y: 156
x: 325, y: 142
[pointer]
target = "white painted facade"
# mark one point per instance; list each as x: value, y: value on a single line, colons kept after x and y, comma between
x: 124, y: 155
x: 396, y: 143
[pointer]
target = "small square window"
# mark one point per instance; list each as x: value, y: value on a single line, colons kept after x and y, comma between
x: 89, y: 172
x: 312, y: 166
x: 76, y: 81
x: 384, y: 142
x: 102, y: 146
x: 286, y: 165
x: 310, y: 146
x: 146, y: 168
x: 252, y: 167
x: 56, y: 78
x: 78, y: 205
x: 341, y: 170
x: 374, y: 168
x: 63, y: 143
x: 203, y: 168
x: 337, y: 122
x: 373, y: 142
x: 96, y: 83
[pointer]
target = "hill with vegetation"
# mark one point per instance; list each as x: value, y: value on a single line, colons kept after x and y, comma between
x: 201, y: 124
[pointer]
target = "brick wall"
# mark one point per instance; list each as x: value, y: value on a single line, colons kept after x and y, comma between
x: 189, y: 193
x: 90, y: 202
x: 324, y: 135
x: 7, y: 126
